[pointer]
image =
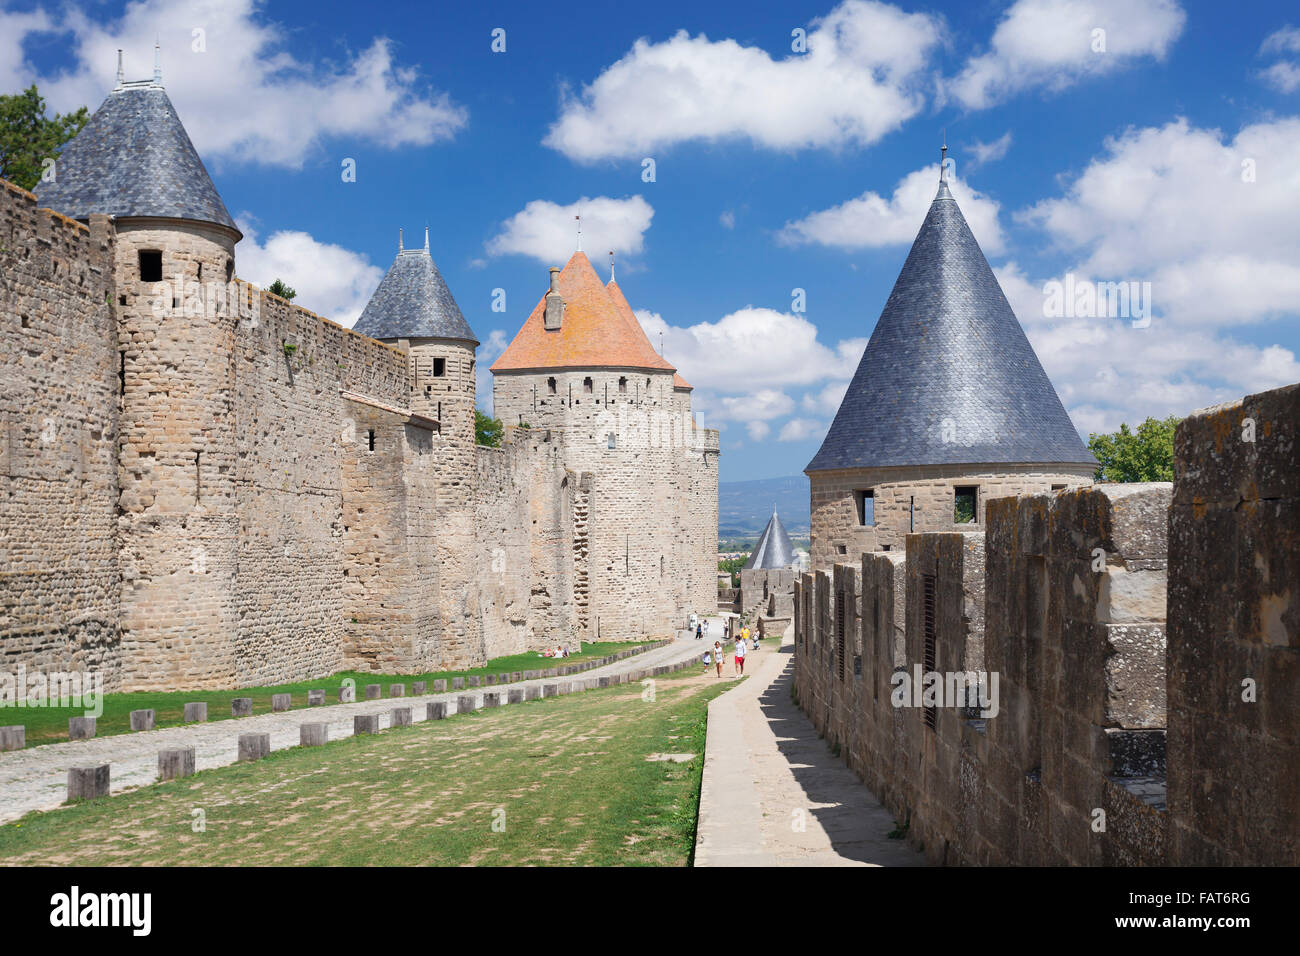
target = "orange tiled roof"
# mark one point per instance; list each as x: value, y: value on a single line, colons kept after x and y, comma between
x: 679, y: 382
x: 594, y: 333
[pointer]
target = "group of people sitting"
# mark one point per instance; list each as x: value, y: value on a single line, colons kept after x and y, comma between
x: 558, y: 652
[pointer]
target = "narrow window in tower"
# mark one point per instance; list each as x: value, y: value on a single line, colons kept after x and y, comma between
x: 370, y: 438
x: 930, y: 646
x: 230, y: 269
x: 550, y: 386
x: 198, y: 477
x: 121, y: 373
x: 150, y: 265
x: 622, y: 386
x: 586, y: 386
x: 911, y: 514
x: 839, y: 635
x: 439, y: 367
x: 612, y: 441
x: 965, y: 504
x: 200, y: 272
x: 866, y: 502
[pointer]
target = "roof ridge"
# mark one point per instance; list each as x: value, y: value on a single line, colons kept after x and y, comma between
x: 412, y: 301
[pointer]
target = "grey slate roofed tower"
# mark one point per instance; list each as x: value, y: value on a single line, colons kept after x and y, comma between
x: 133, y: 159
x: 774, y: 548
x: 413, y: 302
x: 948, y: 376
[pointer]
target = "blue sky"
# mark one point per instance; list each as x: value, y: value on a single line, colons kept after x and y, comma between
x: 1163, y: 150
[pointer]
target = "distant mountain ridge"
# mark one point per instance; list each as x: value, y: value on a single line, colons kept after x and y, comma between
x: 745, y: 506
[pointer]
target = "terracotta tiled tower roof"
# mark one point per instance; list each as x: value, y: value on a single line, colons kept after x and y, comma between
x: 621, y: 301
x: 594, y: 332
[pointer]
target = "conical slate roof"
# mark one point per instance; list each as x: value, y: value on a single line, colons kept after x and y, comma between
x: 948, y: 376
x: 774, y: 548
x: 133, y: 158
x: 592, y: 334
x: 413, y: 302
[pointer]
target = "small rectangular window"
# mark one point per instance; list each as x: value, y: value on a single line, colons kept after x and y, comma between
x: 1058, y: 487
x: 965, y: 504
x: 370, y: 439
x: 439, y: 367
x: 150, y: 265
x: 866, y: 502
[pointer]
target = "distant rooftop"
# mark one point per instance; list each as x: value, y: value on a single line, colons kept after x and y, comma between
x: 413, y: 301
x: 774, y: 549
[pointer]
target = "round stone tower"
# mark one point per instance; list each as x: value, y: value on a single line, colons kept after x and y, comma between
x: 174, y: 266
x: 415, y: 311
x: 949, y: 407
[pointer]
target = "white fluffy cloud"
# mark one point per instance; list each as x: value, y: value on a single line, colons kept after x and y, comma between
x: 1210, y: 223
x: 330, y: 280
x: 242, y: 95
x: 826, y: 400
x: 982, y: 153
x: 872, y: 220
x: 801, y: 429
x: 548, y: 232
x: 861, y: 77
x: 752, y: 345
x: 1284, y: 75
x: 1052, y: 44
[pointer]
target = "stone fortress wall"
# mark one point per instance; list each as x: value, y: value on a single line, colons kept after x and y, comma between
x: 651, y: 541
x: 1125, y: 734
x: 242, y: 496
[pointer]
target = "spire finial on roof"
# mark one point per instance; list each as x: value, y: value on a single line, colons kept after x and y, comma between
x: 579, y: 218
x: 426, y: 238
x: 399, y: 239
x: 611, y: 265
x: 157, y: 62
x: 120, y: 77
x: 943, y: 156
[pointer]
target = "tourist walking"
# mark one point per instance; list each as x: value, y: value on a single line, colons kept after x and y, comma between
x: 718, y: 655
x: 738, y: 662
x: 699, y: 632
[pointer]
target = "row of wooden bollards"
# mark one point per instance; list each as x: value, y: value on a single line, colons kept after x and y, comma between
x: 88, y: 783
x: 83, y: 728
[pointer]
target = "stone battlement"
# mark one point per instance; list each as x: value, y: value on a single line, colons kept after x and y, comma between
x: 1141, y: 642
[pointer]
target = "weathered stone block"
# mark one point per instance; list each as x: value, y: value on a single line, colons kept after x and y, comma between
x: 313, y: 734
x: 419, y: 688
x: 532, y: 692
x: 315, y: 698
x: 602, y: 681
x: 491, y: 680
x: 13, y: 738
x: 458, y: 683
x: 142, y: 719
x: 88, y: 783
x: 474, y: 680
x: 196, y: 712
x: 254, y: 746
x: 241, y: 707
x: 491, y: 700
x: 281, y: 702
x: 517, y: 676
x: 365, y: 724
x: 465, y: 704
x: 81, y: 728
x: 347, y: 694
x: 550, y: 690
x: 175, y: 762
x: 440, y: 686
x: 401, y: 717
x: 396, y: 690
x: 516, y: 695
x: 436, y: 710
x: 374, y: 692
x: 503, y: 678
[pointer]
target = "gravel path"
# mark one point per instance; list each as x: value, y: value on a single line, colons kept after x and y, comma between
x: 767, y: 774
x: 37, y: 778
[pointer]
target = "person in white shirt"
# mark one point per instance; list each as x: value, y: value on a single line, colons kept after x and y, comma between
x: 738, y: 662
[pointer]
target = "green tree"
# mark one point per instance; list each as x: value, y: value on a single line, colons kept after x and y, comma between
x: 28, y: 137
x: 1147, y: 455
x: 487, y: 430
x: 283, y: 291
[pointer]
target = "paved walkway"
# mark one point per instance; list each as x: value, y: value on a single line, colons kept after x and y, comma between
x: 37, y: 778
x: 773, y: 794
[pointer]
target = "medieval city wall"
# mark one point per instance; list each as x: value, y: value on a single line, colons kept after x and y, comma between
x: 59, y: 576
x: 911, y: 500
x: 1064, y: 599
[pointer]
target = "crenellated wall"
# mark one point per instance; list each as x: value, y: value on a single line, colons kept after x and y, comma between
x: 1063, y: 600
